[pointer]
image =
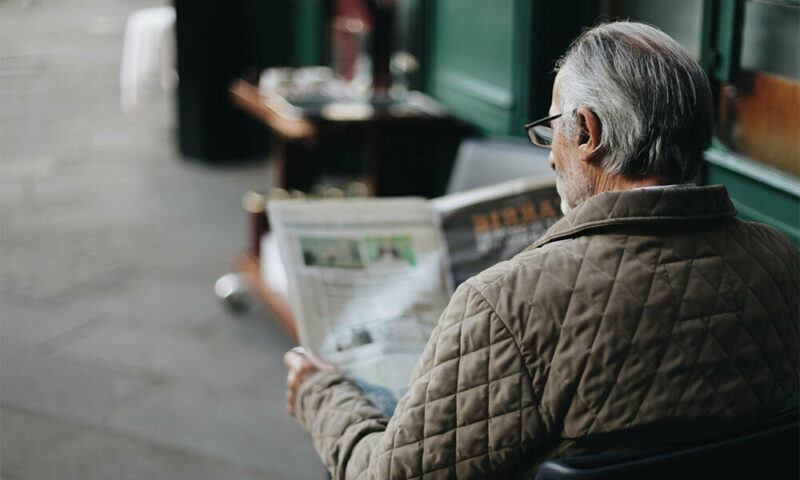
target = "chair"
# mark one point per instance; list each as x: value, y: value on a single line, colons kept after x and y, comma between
x: 773, y: 453
x: 481, y: 162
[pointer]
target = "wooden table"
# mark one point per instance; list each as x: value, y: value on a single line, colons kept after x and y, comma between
x: 246, y: 96
x: 409, y: 147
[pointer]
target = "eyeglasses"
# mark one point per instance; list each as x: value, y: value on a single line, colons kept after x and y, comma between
x: 540, y: 132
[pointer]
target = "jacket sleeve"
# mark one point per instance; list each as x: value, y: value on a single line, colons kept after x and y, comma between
x: 469, y: 413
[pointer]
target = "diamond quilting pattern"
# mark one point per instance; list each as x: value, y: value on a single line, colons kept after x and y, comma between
x: 468, y: 399
x: 591, y: 331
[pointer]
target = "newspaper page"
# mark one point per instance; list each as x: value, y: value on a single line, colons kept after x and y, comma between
x: 484, y: 226
x: 366, y: 281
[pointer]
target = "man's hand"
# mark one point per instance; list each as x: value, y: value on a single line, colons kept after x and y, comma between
x: 300, y: 363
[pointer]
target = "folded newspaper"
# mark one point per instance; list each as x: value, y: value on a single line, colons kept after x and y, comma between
x: 368, y: 278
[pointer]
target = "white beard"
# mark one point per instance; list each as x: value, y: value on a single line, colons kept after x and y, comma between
x: 574, y: 187
x: 564, y: 207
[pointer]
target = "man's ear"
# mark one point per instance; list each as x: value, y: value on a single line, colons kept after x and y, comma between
x: 590, y: 132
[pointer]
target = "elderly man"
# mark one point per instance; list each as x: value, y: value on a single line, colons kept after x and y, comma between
x: 647, y: 315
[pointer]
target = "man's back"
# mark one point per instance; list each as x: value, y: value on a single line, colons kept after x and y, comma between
x: 643, y: 317
x: 651, y: 311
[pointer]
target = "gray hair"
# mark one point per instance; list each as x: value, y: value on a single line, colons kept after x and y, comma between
x: 651, y: 97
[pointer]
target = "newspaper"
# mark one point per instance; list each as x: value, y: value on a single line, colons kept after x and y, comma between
x: 369, y: 278
x: 366, y: 280
x: 487, y: 225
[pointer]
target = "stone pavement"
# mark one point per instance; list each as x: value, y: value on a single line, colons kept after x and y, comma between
x: 116, y: 360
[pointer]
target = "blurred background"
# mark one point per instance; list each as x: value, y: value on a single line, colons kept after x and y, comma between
x: 141, y: 328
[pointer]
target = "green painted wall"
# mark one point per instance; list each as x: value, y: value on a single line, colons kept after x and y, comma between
x: 491, y: 62
x: 472, y: 60
x: 759, y: 193
x: 308, y: 37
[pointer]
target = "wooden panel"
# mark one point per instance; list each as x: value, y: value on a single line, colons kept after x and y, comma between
x: 760, y: 118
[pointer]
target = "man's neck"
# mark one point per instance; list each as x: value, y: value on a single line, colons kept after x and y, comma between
x: 613, y: 183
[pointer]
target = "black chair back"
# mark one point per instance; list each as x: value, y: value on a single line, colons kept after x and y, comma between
x: 773, y: 453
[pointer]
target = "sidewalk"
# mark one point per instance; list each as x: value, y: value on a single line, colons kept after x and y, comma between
x: 116, y: 360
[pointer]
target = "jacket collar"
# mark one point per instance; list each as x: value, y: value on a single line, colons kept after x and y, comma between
x: 643, y: 206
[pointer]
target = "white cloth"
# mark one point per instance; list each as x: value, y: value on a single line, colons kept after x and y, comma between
x: 148, y: 55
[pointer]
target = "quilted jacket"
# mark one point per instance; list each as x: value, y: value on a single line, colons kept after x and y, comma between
x: 641, y: 317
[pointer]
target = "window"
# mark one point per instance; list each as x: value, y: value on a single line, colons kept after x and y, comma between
x: 759, y: 108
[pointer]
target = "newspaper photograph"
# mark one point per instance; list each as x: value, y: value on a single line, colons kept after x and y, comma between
x: 366, y: 281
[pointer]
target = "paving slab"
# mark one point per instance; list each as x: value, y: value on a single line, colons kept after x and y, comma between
x: 48, y: 448
x: 242, y: 429
x: 51, y: 275
x: 28, y: 323
x: 62, y: 388
x: 174, y: 357
x: 155, y: 298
